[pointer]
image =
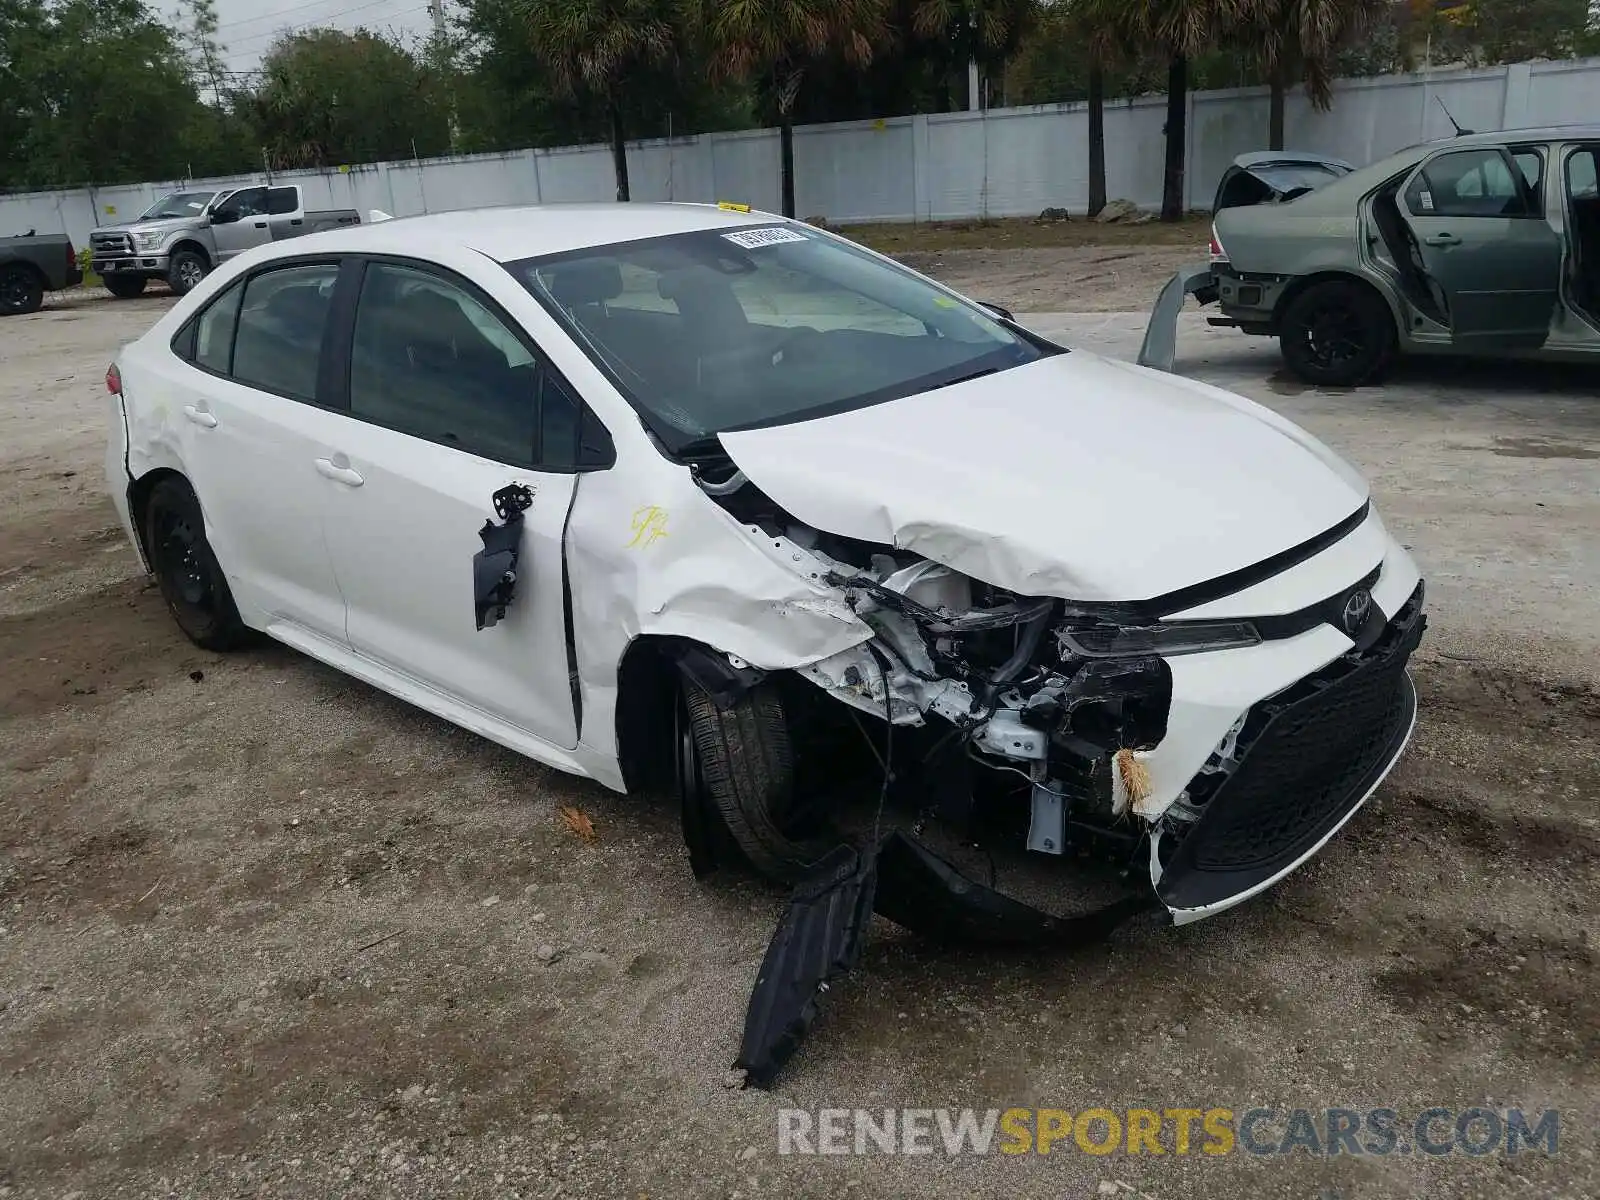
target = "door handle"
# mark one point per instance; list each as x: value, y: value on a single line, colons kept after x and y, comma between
x: 200, y: 416
x: 338, y: 469
x: 1442, y: 239
x: 261, y: 224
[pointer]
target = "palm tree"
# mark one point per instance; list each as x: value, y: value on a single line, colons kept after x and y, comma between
x: 594, y: 47
x: 1178, y: 30
x: 1290, y: 37
x: 982, y: 31
x: 771, y: 42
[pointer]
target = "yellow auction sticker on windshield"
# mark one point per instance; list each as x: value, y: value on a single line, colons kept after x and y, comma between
x: 771, y: 235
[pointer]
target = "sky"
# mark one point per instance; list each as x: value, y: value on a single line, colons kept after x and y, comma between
x: 247, y: 28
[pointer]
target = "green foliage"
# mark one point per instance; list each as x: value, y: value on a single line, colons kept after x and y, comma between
x: 328, y: 97
x: 94, y: 91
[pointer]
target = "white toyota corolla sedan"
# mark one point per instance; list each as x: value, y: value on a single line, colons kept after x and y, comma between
x: 653, y: 493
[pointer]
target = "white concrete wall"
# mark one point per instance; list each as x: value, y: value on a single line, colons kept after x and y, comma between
x: 1005, y: 162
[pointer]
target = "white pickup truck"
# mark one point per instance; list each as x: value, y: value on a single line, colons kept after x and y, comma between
x: 182, y: 237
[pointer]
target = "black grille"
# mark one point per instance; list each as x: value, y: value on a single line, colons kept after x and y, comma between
x: 111, y: 243
x: 1308, y: 755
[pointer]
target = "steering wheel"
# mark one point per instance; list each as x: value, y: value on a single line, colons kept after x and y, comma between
x: 796, y: 339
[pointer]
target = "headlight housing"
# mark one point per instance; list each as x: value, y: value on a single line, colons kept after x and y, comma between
x: 1108, y: 639
x: 149, y: 241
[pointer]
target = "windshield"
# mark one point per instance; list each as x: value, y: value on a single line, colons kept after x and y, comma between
x: 179, y: 204
x: 727, y: 329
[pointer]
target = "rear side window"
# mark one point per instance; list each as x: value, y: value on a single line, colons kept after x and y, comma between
x: 281, y: 200
x: 213, y: 348
x: 281, y: 323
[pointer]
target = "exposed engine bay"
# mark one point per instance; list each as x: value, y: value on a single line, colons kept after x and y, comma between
x: 1064, y: 696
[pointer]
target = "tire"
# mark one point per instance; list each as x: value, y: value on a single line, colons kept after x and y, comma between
x: 190, y: 578
x: 1337, y: 334
x: 747, y: 771
x: 21, y: 290
x: 125, y: 287
x: 186, y: 270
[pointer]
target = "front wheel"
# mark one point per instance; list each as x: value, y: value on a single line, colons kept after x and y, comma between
x: 186, y: 270
x: 1337, y: 334
x: 746, y: 772
x: 125, y: 287
x: 190, y: 578
x: 21, y: 291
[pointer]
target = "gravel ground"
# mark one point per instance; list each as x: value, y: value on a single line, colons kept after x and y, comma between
x: 265, y: 931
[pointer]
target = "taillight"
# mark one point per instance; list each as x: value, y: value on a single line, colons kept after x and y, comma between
x: 113, y: 380
x: 1218, y: 254
x: 72, y: 257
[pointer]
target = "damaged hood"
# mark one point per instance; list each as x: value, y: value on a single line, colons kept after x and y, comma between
x: 1075, y: 476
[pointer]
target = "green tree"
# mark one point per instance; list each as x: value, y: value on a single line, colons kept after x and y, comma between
x: 772, y: 44
x: 950, y: 34
x: 327, y: 97
x: 603, y: 49
x: 1179, y: 31
x: 1301, y: 39
x: 92, y: 91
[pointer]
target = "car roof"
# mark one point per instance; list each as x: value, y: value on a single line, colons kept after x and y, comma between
x: 512, y: 233
x: 1495, y: 137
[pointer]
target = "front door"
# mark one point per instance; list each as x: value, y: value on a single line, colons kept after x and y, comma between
x: 446, y: 401
x: 1490, y: 257
x: 242, y: 224
x: 251, y: 431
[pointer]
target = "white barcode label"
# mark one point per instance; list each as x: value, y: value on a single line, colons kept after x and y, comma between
x: 771, y: 235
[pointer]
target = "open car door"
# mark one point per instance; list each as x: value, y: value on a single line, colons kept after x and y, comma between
x: 1488, y: 256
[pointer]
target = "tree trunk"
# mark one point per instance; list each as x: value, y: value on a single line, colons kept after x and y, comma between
x: 786, y: 159
x: 1097, y: 136
x: 1275, y: 110
x: 619, y: 152
x: 1177, y: 136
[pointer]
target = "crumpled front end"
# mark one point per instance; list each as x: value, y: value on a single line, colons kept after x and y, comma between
x: 1215, y: 738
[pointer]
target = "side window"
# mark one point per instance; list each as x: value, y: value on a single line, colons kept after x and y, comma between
x: 1582, y: 183
x: 213, y: 347
x: 282, y: 200
x: 429, y: 359
x: 252, y: 202
x: 281, y: 323
x: 1467, y: 183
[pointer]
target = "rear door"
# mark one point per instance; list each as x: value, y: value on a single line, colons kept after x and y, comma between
x: 1490, y: 257
x: 239, y: 223
x: 285, y: 216
x: 451, y: 403
x: 252, y: 422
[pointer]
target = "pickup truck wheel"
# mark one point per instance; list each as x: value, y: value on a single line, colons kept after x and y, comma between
x: 186, y: 270
x: 1337, y: 334
x: 21, y: 290
x: 125, y: 287
x: 746, y: 771
x: 190, y: 578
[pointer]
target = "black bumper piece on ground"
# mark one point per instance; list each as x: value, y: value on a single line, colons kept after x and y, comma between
x: 1308, y: 757
x: 822, y: 932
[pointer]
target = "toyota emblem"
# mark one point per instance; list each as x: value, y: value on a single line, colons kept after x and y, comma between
x: 1356, y: 610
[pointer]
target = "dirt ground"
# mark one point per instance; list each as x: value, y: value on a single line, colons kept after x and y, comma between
x: 265, y: 931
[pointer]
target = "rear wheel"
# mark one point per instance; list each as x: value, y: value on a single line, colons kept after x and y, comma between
x: 125, y: 287
x: 190, y: 578
x: 745, y: 771
x: 186, y: 270
x: 21, y: 290
x: 1337, y: 334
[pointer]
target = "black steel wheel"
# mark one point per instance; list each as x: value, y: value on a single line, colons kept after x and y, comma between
x: 1337, y: 334
x: 190, y: 578
x: 21, y: 290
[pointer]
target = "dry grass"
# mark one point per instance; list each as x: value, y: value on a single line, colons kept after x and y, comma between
x: 1020, y: 233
